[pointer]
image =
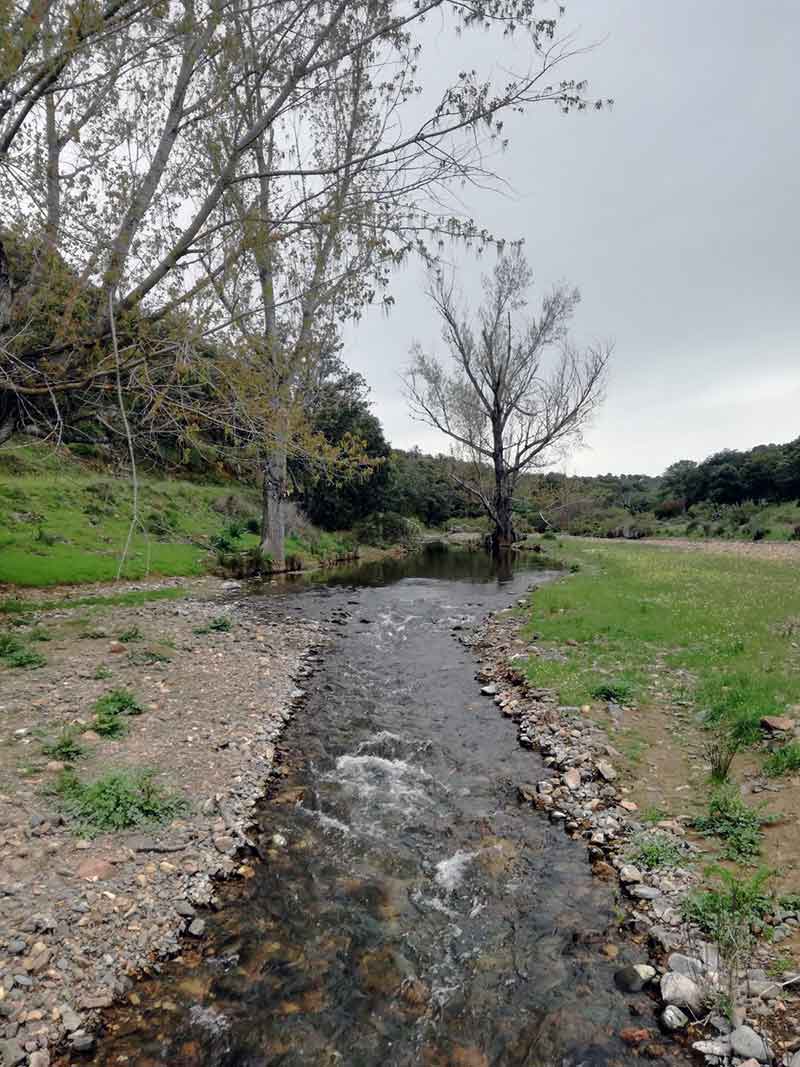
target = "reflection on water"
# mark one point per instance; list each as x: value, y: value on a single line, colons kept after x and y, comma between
x: 406, y: 911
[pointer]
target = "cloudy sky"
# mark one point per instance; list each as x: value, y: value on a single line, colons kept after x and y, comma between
x: 677, y: 213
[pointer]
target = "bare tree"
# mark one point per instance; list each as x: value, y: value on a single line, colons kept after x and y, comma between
x: 507, y: 407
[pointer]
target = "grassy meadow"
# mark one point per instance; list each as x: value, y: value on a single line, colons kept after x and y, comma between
x: 64, y: 521
x: 719, y: 631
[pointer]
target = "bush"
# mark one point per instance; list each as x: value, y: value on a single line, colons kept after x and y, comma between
x: 735, y: 823
x: 109, y: 709
x: 65, y: 747
x: 759, y: 533
x: 653, y: 850
x: 244, y: 564
x: 133, y: 633
x: 616, y: 692
x: 720, y: 748
x: 118, y: 801
x: 384, y: 528
x: 669, y: 509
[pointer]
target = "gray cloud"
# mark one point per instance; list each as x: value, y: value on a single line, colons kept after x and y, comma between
x: 676, y: 213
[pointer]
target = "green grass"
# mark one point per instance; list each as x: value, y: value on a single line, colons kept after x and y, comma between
x: 722, y: 621
x: 785, y: 760
x: 118, y: 801
x: 15, y: 607
x: 65, y: 747
x: 220, y: 624
x: 64, y: 521
x: 16, y: 655
x: 110, y: 708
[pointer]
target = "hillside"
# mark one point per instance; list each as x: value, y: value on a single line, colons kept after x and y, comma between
x: 65, y: 520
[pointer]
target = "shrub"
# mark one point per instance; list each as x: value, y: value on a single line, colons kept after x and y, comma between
x: 759, y: 533
x: 616, y: 692
x: 653, y: 850
x: 669, y: 509
x: 219, y: 624
x: 118, y: 801
x: 735, y: 823
x: 795, y: 534
x: 383, y: 528
x: 65, y: 747
x: 119, y: 702
x: 719, y: 748
x: 783, y: 760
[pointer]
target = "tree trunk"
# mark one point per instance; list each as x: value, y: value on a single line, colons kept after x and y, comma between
x: 274, y: 494
x: 504, y: 534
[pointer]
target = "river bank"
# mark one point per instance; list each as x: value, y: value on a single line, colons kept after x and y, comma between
x: 652, y: 858
x: 208, y: 688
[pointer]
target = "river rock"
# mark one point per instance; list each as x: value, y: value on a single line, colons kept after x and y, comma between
x: 606, y: 771
x: 39, y: 1059
x: 82, y: 1042
x: 572, y: 779
x: 629, y: 874
x: 721, y: 1047
x: 688, y: 966
x: 746, y: 1043
x: 69, y: 1019
x: 628, y: 980
x: 12, y: 1053
x: 777, y: 724
x: 197, y: 928
x: 672, y: 1018
x: 682, y: 992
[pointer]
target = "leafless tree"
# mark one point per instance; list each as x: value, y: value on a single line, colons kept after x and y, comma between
x: 508, y: 407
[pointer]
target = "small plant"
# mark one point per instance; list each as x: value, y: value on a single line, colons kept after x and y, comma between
x: 22, y: 658
x: 729, y: 914
x: 653, y: 850
x: 119, y: 702
x: 65, y: 747
x: 93, y: 635
x: 117, y: 801
x: 235, y: 529
x: 615, y: 692
x: 44, y: 538
x: 219, y: 624
x: 735, y: 823
x: 9, y: 644
x: 785, y: 760
x: 109, y: 709
x: 39, y: 633
x: 654, y: 815
x: 133, y: 633
x: 101, y: 673
x: 720, y: 747
x: 147, y: 657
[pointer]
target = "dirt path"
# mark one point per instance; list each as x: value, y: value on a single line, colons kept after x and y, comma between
x: 80, y: 915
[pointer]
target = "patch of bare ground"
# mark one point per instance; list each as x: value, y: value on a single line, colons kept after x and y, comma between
x: 79, y: 916
x: 769, y: 550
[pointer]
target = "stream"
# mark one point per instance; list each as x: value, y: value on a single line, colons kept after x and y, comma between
x: 406, y: 909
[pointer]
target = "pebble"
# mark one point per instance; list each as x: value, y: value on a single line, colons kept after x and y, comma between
x: 628, y: 873
x: 197, y: 928
x: 629, y: 980
x: 672, y: 1018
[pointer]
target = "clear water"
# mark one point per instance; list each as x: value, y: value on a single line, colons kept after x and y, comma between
x: 411, y: 912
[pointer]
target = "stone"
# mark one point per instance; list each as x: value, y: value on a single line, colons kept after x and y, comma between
x: 82, y: 1042
x: 184, y: 909
x: 489, y: 690
x: 777, y: 724
x: 721, y: 1047
x: 197, y: 928
x: 685, y: 965
x: 644, y: 892
x: 39, y: 1059
x: 746, y: 1043
x: 55, y: 766
x: 628, y: 980
x: 572, y: 779
x: 764, y: 988
x: 69, y: 1019
x: 94, y: 869
x: 634, y: 1035
x: 672, y: 1018
x: 645, y: 971
x: 795, y: 1060
x: 12, y: 1053
x: 681, y: 991
x: 628, y: 873
x: 628, y: 805
x: 606, y: 771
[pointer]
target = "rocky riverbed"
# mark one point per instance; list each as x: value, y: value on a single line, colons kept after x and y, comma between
x: 585, y: 794
x: 80, y: 916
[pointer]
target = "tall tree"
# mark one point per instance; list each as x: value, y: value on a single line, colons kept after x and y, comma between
x: 505, y: 407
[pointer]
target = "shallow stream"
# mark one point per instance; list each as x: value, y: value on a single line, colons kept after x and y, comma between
x: 406, y: 910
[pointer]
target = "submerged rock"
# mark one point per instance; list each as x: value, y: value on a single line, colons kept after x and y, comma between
x: 672, y: 1018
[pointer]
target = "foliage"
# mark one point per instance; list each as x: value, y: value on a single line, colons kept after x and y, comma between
x: 65, y: 747
x: 619, y: 692
x: 118, y: 702
x: 653, y: 850
x: 219, y: 624
x: 720, y: 747
x: 383, y: 529
x: 14, y: 654
x: 727, y: 911
x: 117, y: 801
x: 734, y: 822
x: 133, y: 633
x: 784, y: 760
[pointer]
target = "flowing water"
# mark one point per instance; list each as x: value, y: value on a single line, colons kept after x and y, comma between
x: 406, y: 910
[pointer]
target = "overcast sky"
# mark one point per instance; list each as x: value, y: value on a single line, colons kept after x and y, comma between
x: 677, y: 215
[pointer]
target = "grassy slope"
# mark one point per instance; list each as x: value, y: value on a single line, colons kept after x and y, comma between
x: 62, y: 521
x: 724, y: 627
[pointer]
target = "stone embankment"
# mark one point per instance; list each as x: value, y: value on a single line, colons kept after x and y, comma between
x: 584, y: 793
x: 80, y: 917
